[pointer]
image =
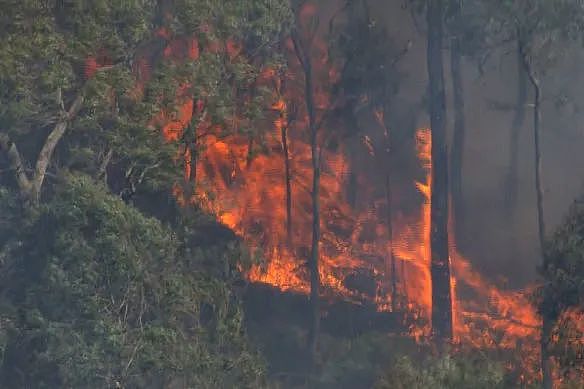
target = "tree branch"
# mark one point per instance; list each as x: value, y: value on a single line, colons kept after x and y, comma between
x: 50, y: 144
x: 299, y: 49
x: 102, y: 172
x: 15, y: 160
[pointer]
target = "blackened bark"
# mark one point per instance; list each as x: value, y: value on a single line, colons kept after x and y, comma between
x: 249, y: 158
x: 285, y: 117
x: 511, y: 184
x: 538, y: 164
x: 393, y: 267
x: 314, y: 260
x: 288, y: 178
x: 546, y: 363
x: 313, y: 265
x: 190, y: 140
x: 457, y: 153
x: 388, y: 213
x: 440, y: 264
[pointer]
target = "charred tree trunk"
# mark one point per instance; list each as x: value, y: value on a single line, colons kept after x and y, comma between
x: 388, y: 201
x: 518, y: 119
x: 249, y: 158
x: 393, y: 267
x: 285, y: 117
x: 440, y: 264
x: 191, y: 150
x: 546, y: 361
x: 546, y: 364
x: 313, y: 263
x: 314, y: 257
x: 457, y: 153
x: 288, y: 178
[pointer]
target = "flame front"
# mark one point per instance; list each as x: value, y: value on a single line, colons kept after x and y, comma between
x: 248, y: 194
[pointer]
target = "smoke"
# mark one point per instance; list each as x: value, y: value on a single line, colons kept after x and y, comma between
x: 500, y: 244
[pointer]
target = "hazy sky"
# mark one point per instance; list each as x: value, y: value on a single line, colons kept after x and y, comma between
x: 491, y: 241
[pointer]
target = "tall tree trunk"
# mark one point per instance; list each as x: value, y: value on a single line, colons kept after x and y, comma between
x: 249, y: 158
x: 546, y: 363
x: 314, y: 257
x: 191, y: 150
x: 288, y: 178
x: 457, y: 153
x: 391, y: 260
x: 440, y: 264
x: 305, y: 60
x: 511, y: 184
x: 284, y: 120
x: 393, y: 266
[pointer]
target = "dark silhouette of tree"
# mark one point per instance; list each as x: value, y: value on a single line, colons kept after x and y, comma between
x: 440, y: 262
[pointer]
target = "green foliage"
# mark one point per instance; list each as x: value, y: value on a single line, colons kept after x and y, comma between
x: 351, y: 363
x: 92, y: 292
x: 542, y: 27
x: 563, y: 268
x: 483, y: 26
x: 257, y: 22
x: 226, y: 80
x: 561, y: 297
x: 443, y: 373
x: 98, y: 295
x: 54, y: 51
x: 43, y: 48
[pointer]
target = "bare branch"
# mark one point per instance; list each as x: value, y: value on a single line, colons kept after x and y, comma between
x: 50, y: 144
x: 15, y: 160
x: 102, y: 172
x: 299, y: 49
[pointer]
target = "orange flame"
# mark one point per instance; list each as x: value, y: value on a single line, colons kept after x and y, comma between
x: 249, y: 198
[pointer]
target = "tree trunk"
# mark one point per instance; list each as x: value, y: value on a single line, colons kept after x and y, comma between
x: 249, y: 158
x: 287, y: 177
x: 313, y: 264
x: 511, y: 184
x: 388, y: 201
x: 393, y: 267
x: 16, y: 164
x: 103, y: 166
x: 314, y: 257
x: 440, y: 264
x: 284, y: 120
x: 190, y: 143
x: 457, y: 153
x: 546, y: 363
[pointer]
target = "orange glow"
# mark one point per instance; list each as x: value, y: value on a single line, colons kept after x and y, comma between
x: 94, y: 62
x: 90, y: 67
x: 250, y: 198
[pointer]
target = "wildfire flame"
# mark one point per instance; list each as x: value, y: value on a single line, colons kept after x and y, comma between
x: 249, y: 196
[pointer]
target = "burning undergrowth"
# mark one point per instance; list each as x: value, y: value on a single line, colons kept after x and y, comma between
x: 266, y: 199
